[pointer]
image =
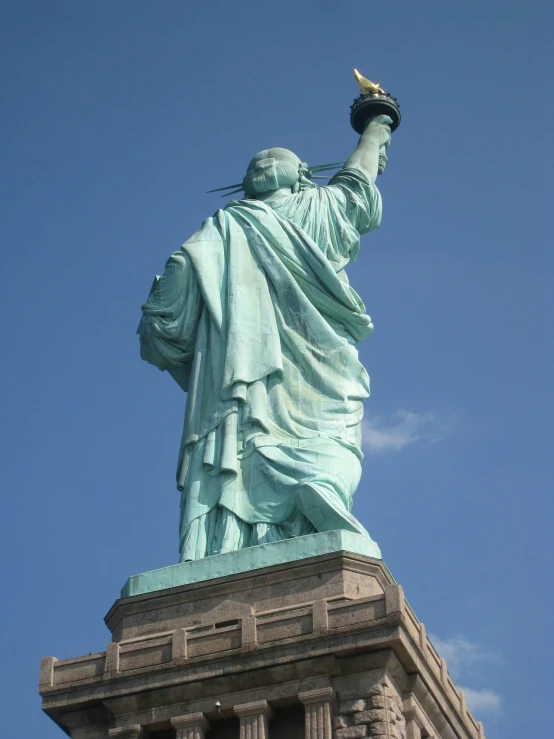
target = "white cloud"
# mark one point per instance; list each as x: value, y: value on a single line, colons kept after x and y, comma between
x: 380, y: 437
x: 482, y: 701
x: 461, y: 656
x: 459, y: 653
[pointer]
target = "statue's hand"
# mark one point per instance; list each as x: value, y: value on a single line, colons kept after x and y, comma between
x: 379, y: 130
x: 370, y: 154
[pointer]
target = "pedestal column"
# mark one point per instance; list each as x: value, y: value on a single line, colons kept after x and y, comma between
x: 412, y: 730
x: 254, y: 719
x: 318, y: 705
x: 190, y: 726
x: 127, y: 732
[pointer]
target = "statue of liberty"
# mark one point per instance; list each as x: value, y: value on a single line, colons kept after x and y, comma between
x: 255, y: 319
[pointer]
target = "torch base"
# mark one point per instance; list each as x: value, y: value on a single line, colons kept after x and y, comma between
x: 369, y: 106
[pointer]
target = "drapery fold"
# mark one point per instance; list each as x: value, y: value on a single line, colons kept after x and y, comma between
x: 254, y: 317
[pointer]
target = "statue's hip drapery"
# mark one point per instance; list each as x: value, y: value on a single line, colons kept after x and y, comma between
x: 279, y: 491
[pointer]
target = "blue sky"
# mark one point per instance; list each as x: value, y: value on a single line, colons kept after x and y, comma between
x: 117, y: 117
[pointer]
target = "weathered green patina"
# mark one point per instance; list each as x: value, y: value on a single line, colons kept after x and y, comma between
x: 255, y: 319
x: 251, y: 558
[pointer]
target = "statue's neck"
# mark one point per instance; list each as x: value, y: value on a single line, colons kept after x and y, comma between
x: 279, y: 194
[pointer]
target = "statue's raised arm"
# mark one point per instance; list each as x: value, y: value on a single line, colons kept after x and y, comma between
x: 370, y: 156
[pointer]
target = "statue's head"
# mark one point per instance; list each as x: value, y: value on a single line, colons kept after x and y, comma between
x: 271, y: 170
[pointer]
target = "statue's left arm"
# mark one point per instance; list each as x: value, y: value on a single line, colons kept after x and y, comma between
x: 170, y: 319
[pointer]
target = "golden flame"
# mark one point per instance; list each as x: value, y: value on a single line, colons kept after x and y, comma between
x: 367, y: 85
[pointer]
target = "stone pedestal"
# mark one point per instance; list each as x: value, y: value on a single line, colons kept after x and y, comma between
x: 321, y: 648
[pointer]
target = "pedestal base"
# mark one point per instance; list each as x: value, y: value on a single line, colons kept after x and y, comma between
x: 251, y: 558
x: 323, y: 647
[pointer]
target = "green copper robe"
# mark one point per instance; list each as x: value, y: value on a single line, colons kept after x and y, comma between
x: 255, y: 319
